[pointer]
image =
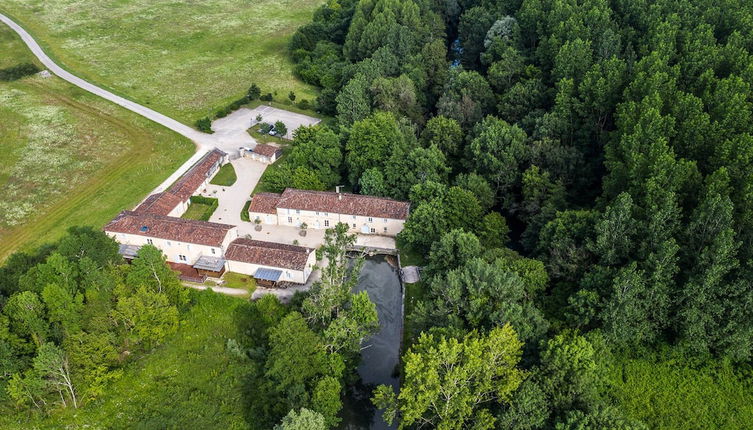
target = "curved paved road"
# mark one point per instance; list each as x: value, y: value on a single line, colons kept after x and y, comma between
x: 203, y: 140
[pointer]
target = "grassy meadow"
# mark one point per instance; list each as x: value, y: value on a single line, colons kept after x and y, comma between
x: 667, y: 393
x: 183, y: 59
x: 189, y: 382
x: 70, y: 158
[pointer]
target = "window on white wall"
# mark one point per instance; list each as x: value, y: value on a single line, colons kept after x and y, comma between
x: 150, y: 241
x: 213, y: 251
x: 168, y: 243
x: 182, y: 258
x: 326, y: 223
x: 373, y: 230
x: 290, y: 220
x: 298, y: 211
x: 371, y: 219
x: 385, y: 220
x: 385, y: 229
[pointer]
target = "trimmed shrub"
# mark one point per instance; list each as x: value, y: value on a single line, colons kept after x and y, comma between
x: 266, y: 97
x: 304, y: 104
x: 205, y: 125
x: 253, y: 92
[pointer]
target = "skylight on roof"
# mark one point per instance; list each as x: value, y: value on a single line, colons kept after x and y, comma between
x: 144, y: 228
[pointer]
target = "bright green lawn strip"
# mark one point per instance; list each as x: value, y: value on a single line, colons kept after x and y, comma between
x: 669, y: 394
x: 190, y: 382
x: 226, y: 176
x: 244, y: 212
x: 184, y: 59
x: 198, y: 211
x: 239, y: 280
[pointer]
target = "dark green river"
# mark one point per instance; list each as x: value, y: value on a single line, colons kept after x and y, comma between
x: 381, y: 353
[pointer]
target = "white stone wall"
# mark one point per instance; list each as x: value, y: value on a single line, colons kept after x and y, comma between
x: 266, y: 219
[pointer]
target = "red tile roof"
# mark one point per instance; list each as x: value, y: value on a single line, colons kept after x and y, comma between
x: 159, y: 204
x: 187, y: 185
x: 343, y: 203
x: 270, y: 254
x: 169, y: 228
x: 265, y: 203
x: 266, y: 150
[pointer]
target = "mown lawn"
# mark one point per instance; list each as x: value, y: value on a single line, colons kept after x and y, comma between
x: 190, y: 382
x: 199, y: 211
x: 70, y: 158
x: 239, y: 280
x: 226, y: 176
x: 183, y: 59
x: 667, y: 393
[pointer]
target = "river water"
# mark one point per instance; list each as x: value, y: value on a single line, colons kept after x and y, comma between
x: 381, y: 354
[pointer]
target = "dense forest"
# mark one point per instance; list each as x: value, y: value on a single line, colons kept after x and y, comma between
x: 580, y: 174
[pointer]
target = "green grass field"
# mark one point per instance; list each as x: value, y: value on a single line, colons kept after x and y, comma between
x: 198, y: 211
x: 239, y: 280
x: 183, y: 59
x: 226, y: 176
x: 70, y: 158
x: 668, y: 394
x: 190, y: 382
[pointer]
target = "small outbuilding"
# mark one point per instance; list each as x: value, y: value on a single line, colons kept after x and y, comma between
x: 264, y: 152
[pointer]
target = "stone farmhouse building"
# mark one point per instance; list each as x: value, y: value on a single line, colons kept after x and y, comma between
x: 200, y: 249
x: 175, y: 200
x: 288, y: 263
x: 324, y: 209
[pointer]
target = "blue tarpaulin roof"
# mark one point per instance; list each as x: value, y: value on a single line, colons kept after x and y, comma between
x: 268, y: 274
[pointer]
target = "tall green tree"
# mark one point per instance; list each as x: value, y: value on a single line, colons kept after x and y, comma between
x: 453, y: 383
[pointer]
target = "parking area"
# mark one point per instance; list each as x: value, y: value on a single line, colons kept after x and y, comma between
x: 244, y: 118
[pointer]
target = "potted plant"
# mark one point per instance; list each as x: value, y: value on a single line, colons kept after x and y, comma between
x: 304, y: 226
x: 257, y: 221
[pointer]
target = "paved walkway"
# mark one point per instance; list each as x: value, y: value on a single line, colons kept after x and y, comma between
x: 232, y: 198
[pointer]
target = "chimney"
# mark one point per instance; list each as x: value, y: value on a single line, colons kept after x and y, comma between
x: 337, y: 190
